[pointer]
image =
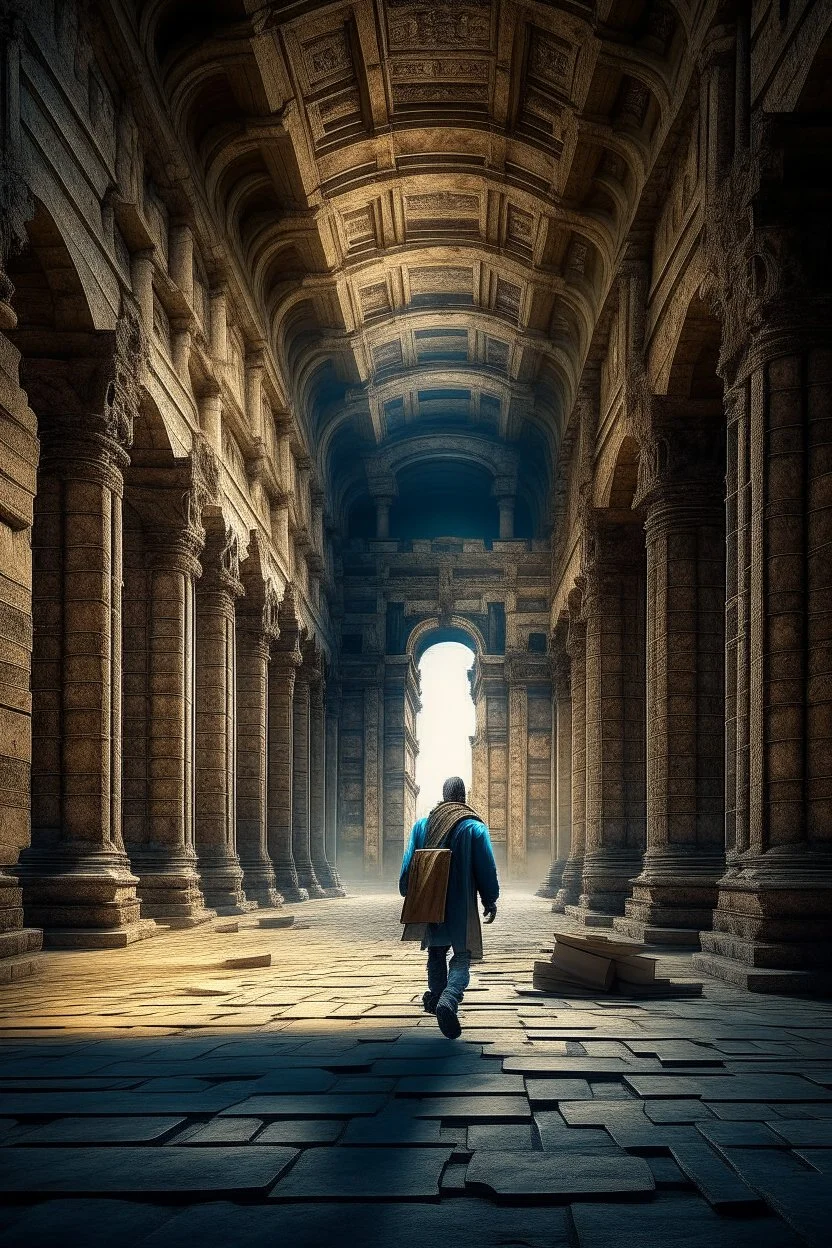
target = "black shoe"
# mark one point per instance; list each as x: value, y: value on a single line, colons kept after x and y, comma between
x: 448, y: 1021
x: 429, y: 1002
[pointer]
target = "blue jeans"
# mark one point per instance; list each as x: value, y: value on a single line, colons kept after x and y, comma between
x: 447, y: 982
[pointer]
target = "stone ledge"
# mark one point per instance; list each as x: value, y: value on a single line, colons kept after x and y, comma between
x: 762, y: 979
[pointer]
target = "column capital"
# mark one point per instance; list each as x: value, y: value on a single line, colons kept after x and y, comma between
x: 170, y: 549
x: 221, y: 563
x: 680, y: 468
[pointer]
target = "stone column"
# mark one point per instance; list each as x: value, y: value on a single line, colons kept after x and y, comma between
x: 613, y: 605
x: 563, y: 775
x: 680, y: 490
x: 76, y: 876
x: 286, y: 658
x: 331, y: 808
x: 301, y: 787
x: 165, y: 859
x: 317, y: 789
x: 256, y: 630
x: 18, y: 468
x: 773, y: 921
x: 518, y: 754
x: 570, y: 889
x: 216, y: 814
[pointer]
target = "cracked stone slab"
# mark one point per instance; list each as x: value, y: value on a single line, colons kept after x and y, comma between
x: 222, y: 1131
x: 740, y: 1134
x: 364, y: 1174
x: 123, y: 1130
x: 207, y: 1171
x: 549, y: 1176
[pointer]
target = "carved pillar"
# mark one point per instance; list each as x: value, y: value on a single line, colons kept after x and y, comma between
x: 518, y: 754
x: 76, y: 876
x: 317, y: 789
x: 570, y: 890
x: 331, y: 807
x: 256, y: 630
x: 680, y: 490
x: 613, y: 605
x: 562, y: 804
x: 301, y: 848
x: 401, y: 705
x: 478, y: 797
x: 216, y: 733
x: 164, y: 857
x: 286, y: 658
x: 773, y: 921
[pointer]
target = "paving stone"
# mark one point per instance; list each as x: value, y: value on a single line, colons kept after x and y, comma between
x: 819, y: 1159
x: 123, y: 1130
x: 291, y: 1082
x: 473, y: 1108
x: 727, y: 1087
x: 99, y: 1104
x: 222, y: 1131
x: 394, y: 1130
x: 463, y: 1222
x: 674, y: 1221
x: 800, y: 1197
x: 800, y: 1133
x: 666, y: 1174
x: 715, y: 1180
x: 460, y: 1085
x: 683, y: 1110
x: 549, y: 1176
x: 305, y: 1106
x: 88, y: 1222
x: 553, y: 1091
x: 364, y: 1174
x: 308, y: 1131
x: 582, y: 1066
x: 203, y: 1171
x: 739, y: 1134
x: 507, y: 1137
x: 453, y: 1178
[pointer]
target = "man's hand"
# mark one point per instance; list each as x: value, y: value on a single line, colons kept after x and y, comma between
x: 489, y: 914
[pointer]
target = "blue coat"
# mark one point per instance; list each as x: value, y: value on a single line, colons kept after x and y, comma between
x: 473, y: 870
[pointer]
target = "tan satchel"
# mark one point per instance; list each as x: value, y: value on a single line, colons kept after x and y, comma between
x: 427, y: 886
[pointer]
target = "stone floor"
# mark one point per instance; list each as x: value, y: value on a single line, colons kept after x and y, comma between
x: 153, y: 1096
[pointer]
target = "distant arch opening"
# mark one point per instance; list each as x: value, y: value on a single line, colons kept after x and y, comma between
x: 447, y: 720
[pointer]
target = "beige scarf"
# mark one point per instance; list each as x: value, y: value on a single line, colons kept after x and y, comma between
x: 444, y: 818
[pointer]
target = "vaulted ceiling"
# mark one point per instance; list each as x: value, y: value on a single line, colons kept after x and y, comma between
x: 431, y: 199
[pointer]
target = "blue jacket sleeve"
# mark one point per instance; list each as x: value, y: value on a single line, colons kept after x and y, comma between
x: 408, y: 856
x: 485, y: 868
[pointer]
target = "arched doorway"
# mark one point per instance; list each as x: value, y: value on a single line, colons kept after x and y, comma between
x: 446, y: 722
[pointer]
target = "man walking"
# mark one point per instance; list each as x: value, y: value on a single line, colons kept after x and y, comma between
x: 473, y: 871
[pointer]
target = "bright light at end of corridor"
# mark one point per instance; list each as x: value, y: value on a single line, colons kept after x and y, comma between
x: 446, y: 722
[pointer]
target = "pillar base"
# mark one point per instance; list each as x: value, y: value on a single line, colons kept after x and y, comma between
x: 82, y: 899
x: 607, y: 880
x: 570, y: 885
x: 772, y: 926
x: 550, y: 887
x: 329, y: 880
x: 289, y: 886
x: 588, y: 918
x: 308, y: 883
x: 222, y: 884
x: 19, y: 945
x: 169, y: 887
x: 259, y: 883
x: 673, y: 899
